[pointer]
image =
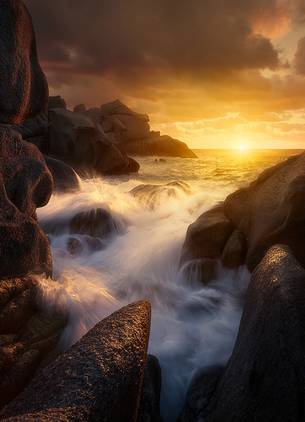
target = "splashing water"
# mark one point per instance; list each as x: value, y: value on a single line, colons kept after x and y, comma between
x: 193, y: 326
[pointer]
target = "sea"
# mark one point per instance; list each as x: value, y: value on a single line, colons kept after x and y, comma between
x: 193, y: 326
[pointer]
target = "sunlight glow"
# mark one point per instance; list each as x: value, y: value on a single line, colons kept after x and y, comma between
x: 242, y: 148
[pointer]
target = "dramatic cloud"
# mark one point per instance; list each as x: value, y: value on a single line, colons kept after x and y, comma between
x: 129, y: 39
x: 191, y: 65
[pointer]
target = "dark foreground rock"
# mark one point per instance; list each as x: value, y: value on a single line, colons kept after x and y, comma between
x: 150, y: 401
x: 27, y: 334
x: 264, y: 379
x: 99, y: 378
x: 23, y: 87
x: 65, y: 178
x: 25, y: 184
x: 270, y: 211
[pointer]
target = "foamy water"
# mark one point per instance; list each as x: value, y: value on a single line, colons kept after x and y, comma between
x: 193, y: 326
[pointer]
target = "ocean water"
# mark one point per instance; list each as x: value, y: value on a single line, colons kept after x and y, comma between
x: 193, y: 326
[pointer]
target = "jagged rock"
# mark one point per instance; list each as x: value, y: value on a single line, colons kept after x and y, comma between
x: 99, y: 378
x: 57, y: 102
x: 65, y: 178
x: 270, y: 211
x: 150, y: 401
x: 264, y: 378
x: 74, y: 139
x: 153, y: 196
x: 23, y: 87
x: 25, y: 184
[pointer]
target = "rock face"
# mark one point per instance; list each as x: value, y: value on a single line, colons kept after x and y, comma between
x: 23, y: 87
x: 99, y: 378
x: 271, y: 210
x: 25, y: 184
x: 74, y: 139
x: 264, y: 378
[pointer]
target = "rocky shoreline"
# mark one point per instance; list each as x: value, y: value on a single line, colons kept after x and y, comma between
x: 108, y: 375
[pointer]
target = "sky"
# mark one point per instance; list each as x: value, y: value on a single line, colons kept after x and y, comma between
x: 213, y: 73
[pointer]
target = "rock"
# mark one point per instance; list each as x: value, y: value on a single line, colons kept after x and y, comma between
x: 80, y: 108
x: 233, y: 255
x: 57, y: 102
x: 74, y: 139
x: 152, y: 196
x: 200, y: 394
x: 97, y: 222
x: 158, y: 145
x: 23, y: 87
x: 99, y: 378
x: 76, y: 246
x: 264, y: 378
x: 65, y: 178
x: 28, y: 334
x: 270, y: 210
x: 207, y: 237
x: 150, y: 401
x: 25, y: 184
x: 126, y: 123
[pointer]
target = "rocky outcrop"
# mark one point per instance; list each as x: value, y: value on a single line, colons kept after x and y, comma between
x: 99, y: 378
x: 57, y: 102
x: 74, y: 139
x: 264, y: 378
x: 251, y: 220
x: 23, y: 87
x: 65, y: 178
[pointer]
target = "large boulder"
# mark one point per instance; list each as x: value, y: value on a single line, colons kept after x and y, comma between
x: 76, y: 140
x: 99, y: 378
x: 23, y: 87
x: 25, y: 184
x: 264, y: 379
x: 270, y: 210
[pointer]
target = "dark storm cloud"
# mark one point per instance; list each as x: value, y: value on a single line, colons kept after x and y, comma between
x: 137, y: 38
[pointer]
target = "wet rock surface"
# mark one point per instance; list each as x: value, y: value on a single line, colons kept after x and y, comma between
x: 64, y: 177
x: 99, y: 378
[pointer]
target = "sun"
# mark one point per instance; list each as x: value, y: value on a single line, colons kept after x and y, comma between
x: 242, y: 148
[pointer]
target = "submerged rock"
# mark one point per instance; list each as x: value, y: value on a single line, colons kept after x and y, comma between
x: 97, y: 222
x: 153, y: 196
x: 23, y: 87
x: 264, y: 378
x: 99, y: 378
x: 270, y: 211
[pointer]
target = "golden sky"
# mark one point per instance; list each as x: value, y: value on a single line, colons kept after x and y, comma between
x: 213, y: 73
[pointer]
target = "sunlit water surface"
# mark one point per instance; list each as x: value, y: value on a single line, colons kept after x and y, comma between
x: 193, y: 326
